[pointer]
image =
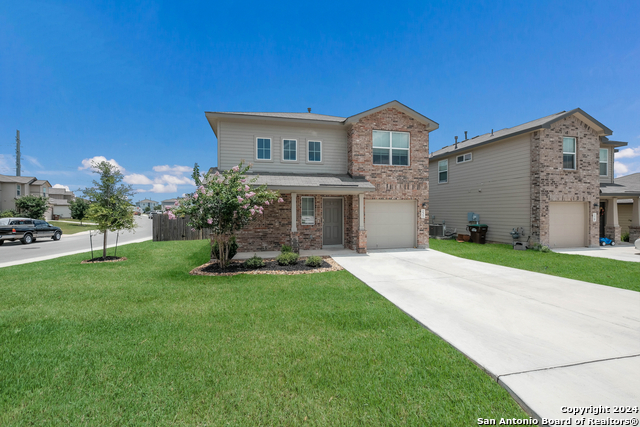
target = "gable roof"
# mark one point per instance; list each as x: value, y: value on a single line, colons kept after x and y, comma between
x: 623, y: 186
x: 18, y: 179
x: 214, y: 116
x: 541, y: 123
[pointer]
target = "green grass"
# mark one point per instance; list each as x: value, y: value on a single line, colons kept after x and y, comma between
x: 141, y: 342
x: 603, y: 271
x: 71, y: 228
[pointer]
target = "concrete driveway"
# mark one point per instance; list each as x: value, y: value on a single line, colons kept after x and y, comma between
x: 552, y: 342
x: 621, y: 252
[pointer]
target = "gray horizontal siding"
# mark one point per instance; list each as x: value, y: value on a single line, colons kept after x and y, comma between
x: 495, y: 185
x: 237, y: 142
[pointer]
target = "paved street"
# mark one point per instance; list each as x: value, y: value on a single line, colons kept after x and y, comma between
x: 13, y: 253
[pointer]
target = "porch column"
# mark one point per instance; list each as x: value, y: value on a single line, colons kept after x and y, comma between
x: 634, y: 228
x: 361, y: 244
x: 612, y: 229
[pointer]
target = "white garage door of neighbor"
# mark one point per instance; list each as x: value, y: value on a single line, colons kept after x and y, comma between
x: 390, y: 223
x: 567, y: 224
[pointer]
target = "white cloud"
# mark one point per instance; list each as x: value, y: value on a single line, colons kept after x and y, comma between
x: 87, y: 163
x: 620, y: 168
x: 66, y: 187
x: 177, y: 180
x: 628, y: 153
x: 161, y: 188
x: 136, y: 178
x: 175, y: 169
x: 33, y: 161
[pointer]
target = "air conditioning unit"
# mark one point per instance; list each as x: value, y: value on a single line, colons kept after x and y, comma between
x: 436, y: 230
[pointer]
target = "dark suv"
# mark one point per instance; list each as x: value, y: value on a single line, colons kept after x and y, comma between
x: 27, y: 230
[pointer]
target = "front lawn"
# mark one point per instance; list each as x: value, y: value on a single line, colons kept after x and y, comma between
x: 141, y: 342
x: 72, y: 228
x: 609, y: 272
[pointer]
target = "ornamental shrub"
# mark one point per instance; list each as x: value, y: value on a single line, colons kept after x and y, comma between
x: 233, y: 249
x: 286, y: 248
x: 287, y: 258
x: 314, y: 261
x: 223, y: 202
x: 254, y: 262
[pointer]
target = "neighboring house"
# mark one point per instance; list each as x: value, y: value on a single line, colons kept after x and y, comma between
x: 626, y: 191
x: 168, y: 203
x: 147, y: 203
x: 14, y: 187
x: 59, y: 200
x: 358, y: 182
x: 543, y: 176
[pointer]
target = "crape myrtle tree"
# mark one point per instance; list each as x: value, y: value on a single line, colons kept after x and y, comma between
x: 224, y: 203
x: 110, y: 201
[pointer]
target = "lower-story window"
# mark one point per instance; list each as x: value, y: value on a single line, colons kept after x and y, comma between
x: 308, y: 206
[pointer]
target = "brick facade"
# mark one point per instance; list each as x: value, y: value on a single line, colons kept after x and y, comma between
x: 393, y: 182
x: 551, y: 183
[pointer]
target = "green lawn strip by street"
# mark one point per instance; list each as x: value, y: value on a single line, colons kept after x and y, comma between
x: 603, y: 271
x: 141, y: 342
x: 71, y: 228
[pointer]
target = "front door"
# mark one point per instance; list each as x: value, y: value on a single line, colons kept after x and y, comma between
x: 603, y: 218
x: 332, y: 222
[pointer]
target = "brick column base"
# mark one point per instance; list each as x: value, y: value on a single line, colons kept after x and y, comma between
x: 634, y: 233
x: 361, y: 247
x: 613, y: 232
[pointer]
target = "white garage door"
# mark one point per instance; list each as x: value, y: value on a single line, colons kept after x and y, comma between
x: 567, y: 224
x: 390, y: 223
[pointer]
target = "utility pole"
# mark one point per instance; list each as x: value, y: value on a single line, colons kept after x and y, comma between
x: 17, y: 153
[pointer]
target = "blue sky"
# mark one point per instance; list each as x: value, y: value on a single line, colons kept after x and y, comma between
x: 130, y: 82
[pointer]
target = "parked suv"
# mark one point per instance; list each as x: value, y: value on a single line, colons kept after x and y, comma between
x: 27, y: 230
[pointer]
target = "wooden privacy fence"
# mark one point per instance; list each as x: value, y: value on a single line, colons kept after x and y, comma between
x: 165, y: 229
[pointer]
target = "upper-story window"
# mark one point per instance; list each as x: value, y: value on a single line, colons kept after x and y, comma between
x: 443, y: 171
x: 289, y: 150
x: 604, y: 161
x: 44, y: 190
x: 18, y: 190
x: 463, y: 158
x: 390, y: 148
x: 569, y: 153
x: 315, y: 151
x: 263, y: 148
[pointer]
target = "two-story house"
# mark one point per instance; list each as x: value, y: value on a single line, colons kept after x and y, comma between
x: 14, y: 187
x: 59, y: 200
x: 147, y: 203
x: 545, y: 176
x: 359, y: 182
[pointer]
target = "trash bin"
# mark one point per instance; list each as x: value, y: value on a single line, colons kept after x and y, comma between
x: 478, y: 233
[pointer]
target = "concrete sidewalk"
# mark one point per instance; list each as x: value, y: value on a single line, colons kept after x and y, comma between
x: 552, y: 342
x: 622, y: 252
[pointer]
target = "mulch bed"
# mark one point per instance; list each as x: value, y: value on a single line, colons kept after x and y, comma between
x: 271, y: 267
x: 107, y: 259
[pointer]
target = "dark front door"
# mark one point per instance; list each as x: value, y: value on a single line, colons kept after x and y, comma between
x: 603, y: 218
x: 332, y: 222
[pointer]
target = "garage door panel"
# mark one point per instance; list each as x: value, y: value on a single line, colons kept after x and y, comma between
x: 567, y: 224
x: 390, y: 224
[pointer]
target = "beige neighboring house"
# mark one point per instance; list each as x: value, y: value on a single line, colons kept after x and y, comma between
x: 552, y: 177
x: 628, y: 207
x: 59, y: 199
x: 168, y: 203
x: 14, y: 187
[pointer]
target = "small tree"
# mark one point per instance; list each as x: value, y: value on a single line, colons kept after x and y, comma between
x: 32, y: 206
x: 147, y: 209
x: 225, y: 203
x: 157, y: 208
x: 79, y: 209
x: 111, y: 207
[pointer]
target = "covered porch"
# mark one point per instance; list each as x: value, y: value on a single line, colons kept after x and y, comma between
x: 610, y: 219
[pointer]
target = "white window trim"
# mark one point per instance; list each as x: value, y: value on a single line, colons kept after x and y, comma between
x: 18, y: 190
x: 606, y: 162
x: 270, y: 159
x: 297, y: 157
x: 438, y: 171
x: 303, y: 217
x: 463, y: 158
x: 574, y: 153
x: 321, y: 156
x: 390, y: 148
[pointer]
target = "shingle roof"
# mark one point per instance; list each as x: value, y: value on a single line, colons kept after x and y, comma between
x: 628, y: 185
x: 316, y: 182
x: 17, y: 179
x: 527, y: 127
x: 302, y: 116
